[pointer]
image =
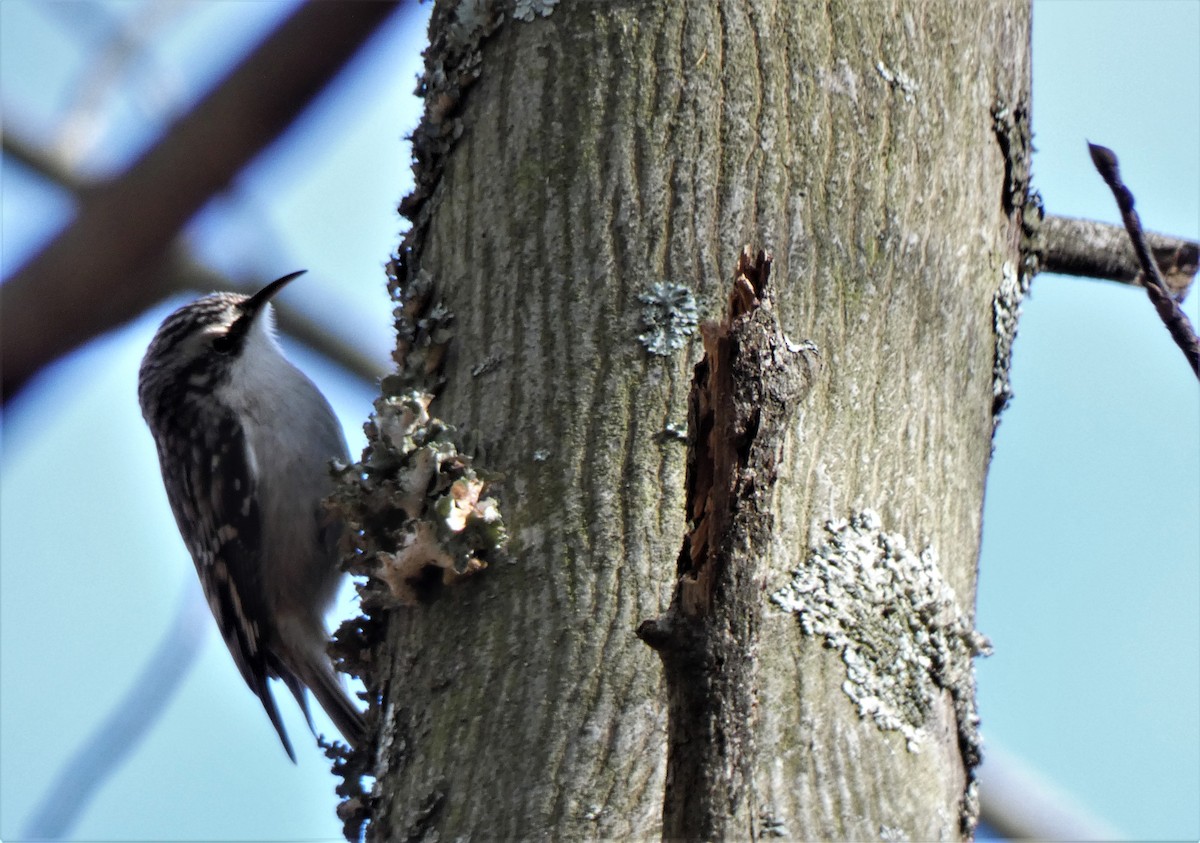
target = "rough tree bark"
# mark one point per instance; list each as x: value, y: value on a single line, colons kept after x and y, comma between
x: 585, y: 184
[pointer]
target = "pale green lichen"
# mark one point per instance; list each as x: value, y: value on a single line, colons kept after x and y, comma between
x: 526, y: 9
x: 424, y: 328
x: 674, y: 432
x: 898, y: 628
x: 771, y: 826
x: 1011, y: 124
x: 487, y: 365
x: 892, y: 617
x: 899, y: 80
x: 669, y: 316
x: 1006, y: 312
x: 472, y: 19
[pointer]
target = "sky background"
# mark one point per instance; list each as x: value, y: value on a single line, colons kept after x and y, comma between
x: 1090, y: 570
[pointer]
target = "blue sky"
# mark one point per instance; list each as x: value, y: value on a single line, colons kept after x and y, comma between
x: 1089, y: 584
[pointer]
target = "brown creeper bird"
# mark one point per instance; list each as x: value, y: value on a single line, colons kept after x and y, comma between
x: 244, y: 442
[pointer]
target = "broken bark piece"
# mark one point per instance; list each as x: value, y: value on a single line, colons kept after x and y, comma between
x: 744, y: 393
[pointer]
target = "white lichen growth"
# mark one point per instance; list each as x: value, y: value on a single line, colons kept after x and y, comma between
x: 526, y: 9
x: 893, y: 619
x: 899, y: 80
x: 1006, y: 312
x: 669, y: 316
x: 675, y: 431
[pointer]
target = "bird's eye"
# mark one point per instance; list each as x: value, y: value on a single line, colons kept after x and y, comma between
x: 223, y: 344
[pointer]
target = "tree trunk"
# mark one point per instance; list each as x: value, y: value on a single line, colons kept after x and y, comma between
x: 580, y: 178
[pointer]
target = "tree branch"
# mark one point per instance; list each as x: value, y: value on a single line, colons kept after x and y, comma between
x: 100, y: 271
x: 1101, y: 250
x: 42, y: 161
x: 125, y: 42
x: 1020, y: 803
x: 1179, y: 326
x: 180, y: 270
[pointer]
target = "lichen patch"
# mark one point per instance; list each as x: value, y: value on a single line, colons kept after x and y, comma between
x: 416, y: 488
x: 669, y: 316
x: 895, y: 621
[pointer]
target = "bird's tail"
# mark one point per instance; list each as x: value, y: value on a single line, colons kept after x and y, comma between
x: 316, y: 673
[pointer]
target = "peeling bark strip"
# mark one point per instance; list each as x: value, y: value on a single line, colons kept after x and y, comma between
x: 744, y: 393
x: 1168, y: 309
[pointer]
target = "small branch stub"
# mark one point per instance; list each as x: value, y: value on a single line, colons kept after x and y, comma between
x: 744, y: 393
x: 1100, y: 250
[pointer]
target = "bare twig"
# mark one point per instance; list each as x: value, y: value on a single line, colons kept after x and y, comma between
x: 1102, y: 250
x: 101, y: 270
x: 1168, y: 309
x: 43, y: 161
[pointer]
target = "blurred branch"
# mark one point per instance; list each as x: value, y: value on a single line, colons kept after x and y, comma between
x: 109, y: 264
x: 42, y: 161
x: 1021, y: 804
x: 115, y: 737
x: 180, y: 271
x: 1101, y: 250
x: 1173, y: 317
x: 126, y: 47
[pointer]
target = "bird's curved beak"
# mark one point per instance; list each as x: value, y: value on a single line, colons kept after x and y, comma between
x: 252, y: 306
